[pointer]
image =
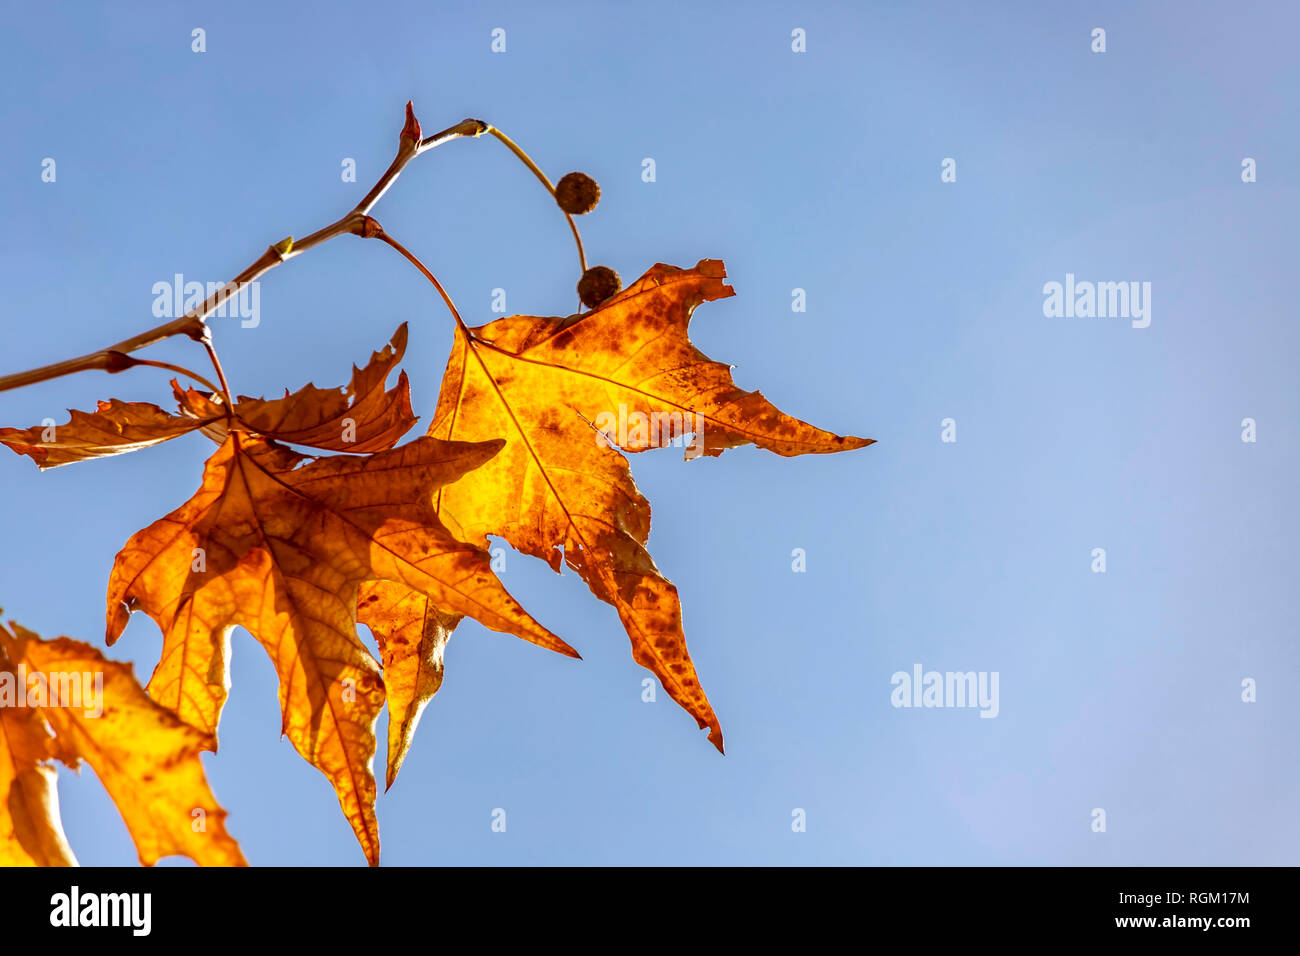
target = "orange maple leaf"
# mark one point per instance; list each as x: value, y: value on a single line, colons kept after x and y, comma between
x: 280, y: 544
x: 559, y: 489
x: 114, y: 428
x: 362, y: 417
x: 146, y: 758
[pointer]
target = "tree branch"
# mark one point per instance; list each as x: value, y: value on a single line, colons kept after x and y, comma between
x: 192, y: 324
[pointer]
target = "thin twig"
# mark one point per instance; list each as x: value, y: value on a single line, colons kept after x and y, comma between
x: 528, y: 161
x: 221, y: 375
x: 132, y: 361
x: 375, y: 231
x: 193, y: 324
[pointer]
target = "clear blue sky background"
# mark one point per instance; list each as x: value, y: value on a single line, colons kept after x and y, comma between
x: 819, y: 171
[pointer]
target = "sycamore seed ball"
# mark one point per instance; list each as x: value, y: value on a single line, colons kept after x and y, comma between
x: 577, y: 193
x: 597, y: 284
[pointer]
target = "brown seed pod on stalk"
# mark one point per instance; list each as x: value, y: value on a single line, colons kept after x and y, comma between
x: 577, y: 194
x: 597, y: 284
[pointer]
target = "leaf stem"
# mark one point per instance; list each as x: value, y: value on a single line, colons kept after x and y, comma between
x: 528, y: 161
x: 131, y: 361
x: 221, y: 375
x: 376, y: 231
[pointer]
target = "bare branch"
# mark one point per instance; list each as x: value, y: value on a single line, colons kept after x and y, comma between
x: 193, y: 323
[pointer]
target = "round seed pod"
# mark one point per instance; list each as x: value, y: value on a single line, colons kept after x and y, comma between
x: 597, y: 284
x: 577, y: 193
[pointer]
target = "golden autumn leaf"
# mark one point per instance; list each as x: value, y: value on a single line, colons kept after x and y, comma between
x: 361, y: 417
x: 89, y: 708
x: 31, y: 832
x: 114, y: 428
x: 555, y: 390
x: 279, y: 543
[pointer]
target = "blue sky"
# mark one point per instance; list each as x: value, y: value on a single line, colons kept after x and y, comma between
x: 817, y: 170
